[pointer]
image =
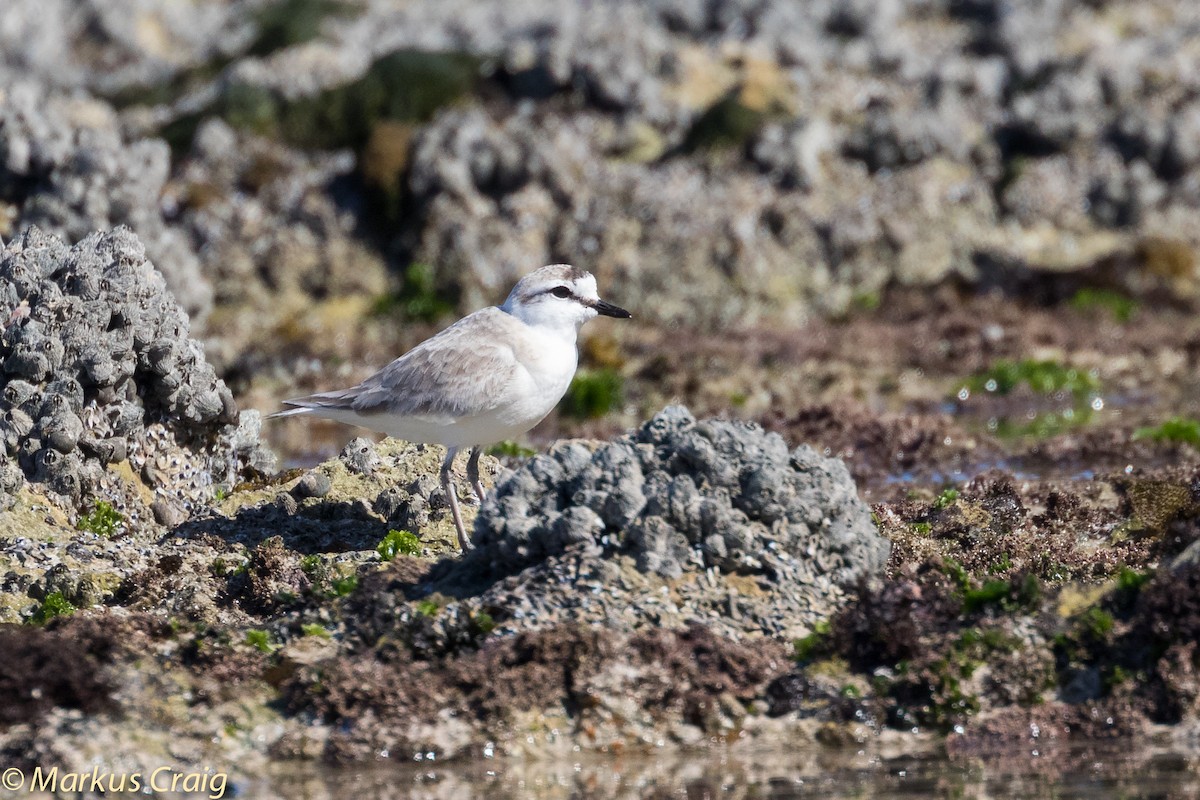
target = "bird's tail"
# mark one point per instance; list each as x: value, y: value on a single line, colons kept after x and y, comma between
x: 289, y: 412
x: 339, y: 400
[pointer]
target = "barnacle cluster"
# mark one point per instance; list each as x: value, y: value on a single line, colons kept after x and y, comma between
x: 97, y: 368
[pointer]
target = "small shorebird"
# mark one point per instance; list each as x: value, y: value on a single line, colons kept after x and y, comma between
x: 489, y: 377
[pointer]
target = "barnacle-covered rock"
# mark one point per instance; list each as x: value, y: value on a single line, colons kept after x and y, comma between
x: 679, y: 521
x: 681, y: 495
x: 98, y: 367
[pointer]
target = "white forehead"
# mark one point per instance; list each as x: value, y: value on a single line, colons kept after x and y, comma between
x: 580, y: 281
x: 585, y: 286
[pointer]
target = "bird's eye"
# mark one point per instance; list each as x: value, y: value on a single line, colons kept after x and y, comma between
x: 561, y: 291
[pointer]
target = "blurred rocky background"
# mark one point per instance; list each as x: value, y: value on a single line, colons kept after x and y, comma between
x: 322, y: 183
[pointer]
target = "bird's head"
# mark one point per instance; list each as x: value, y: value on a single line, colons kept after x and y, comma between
x: 558, y: 296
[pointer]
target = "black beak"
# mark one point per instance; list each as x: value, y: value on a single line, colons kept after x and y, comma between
x: 609, y: 310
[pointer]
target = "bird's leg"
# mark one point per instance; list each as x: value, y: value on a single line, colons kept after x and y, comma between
x: 473, y: 473
x: 452, y: 497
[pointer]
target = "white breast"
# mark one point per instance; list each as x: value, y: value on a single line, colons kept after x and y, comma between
x: 548, y: 364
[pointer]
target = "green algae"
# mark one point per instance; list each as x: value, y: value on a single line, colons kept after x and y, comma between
x: 1178, y: 429
x: 1041, y: 376
x: 103, y: 520
x: 418, y: 298
x: 398, y: 543
x: 511, y: 449
x: 948, y: 497
x: 259, y: 640
x: 807, y: 648
x: 55, y: 605
x: 1121, y: 307
x: 593, y: 393
x: 406, y: 85
x: 291, y: 22
x: 727, y: 124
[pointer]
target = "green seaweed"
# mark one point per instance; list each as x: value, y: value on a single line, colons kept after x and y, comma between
x: 866, y: 301
x: 1021, y: 593
x: 1042, y: 424
x: 313, y: 566
x: 1177, y: 429
x: 1042, y: 377
x: 54, y: 605
x: 1096, y: 623
x: 1077, y: 389
x: 344, y: 585
x: 957, y: 573
x: 313, y: 629
x: 1090, y: 299
x: 291, y: 22
x: 396, y: 543
x: 816, y: 643
x: 418, y: 298
x: 482, y: 623
x: 1116, y: 675
x: 260, y: 640
x: 407, y: 85
x: 324, y: 577
x: 947, y: 498
x: 726, y: 124
x: 949, y: 703
x: 991, y: 593
x: 103, y: 520
x: 1130, y: 581
x: 511, y: 449
x: 593, y: 393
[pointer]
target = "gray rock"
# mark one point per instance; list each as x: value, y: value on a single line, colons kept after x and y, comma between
x: 931, y: 134
x: 167, y: 513
x: 70, y: 408
x: 702, y: 479
x: 61, y: 430
x: 303, y: 243
x: 695, y: 503
x: 410, y: 508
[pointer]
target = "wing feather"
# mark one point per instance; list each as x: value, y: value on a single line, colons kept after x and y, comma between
x: 464, y: 370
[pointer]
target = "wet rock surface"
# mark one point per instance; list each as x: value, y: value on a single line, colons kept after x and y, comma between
x: 255, y: 587
x: 1001, y: 606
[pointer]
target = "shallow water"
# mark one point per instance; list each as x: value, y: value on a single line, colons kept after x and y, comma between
x: 820, y: 773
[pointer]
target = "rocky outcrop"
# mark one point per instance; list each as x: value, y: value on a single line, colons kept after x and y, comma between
x: 682, y: 495
x: 681, y: 522
x: 99, y: 370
